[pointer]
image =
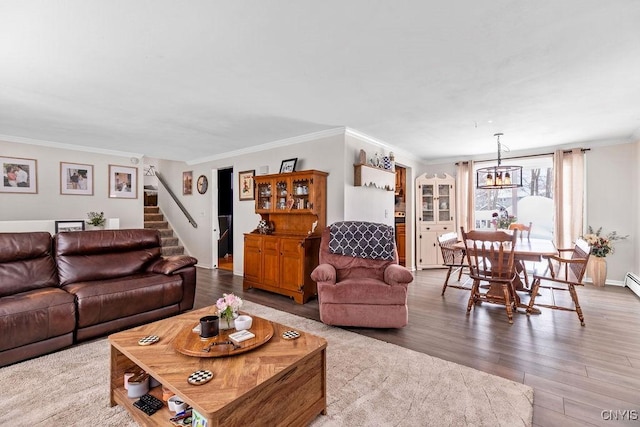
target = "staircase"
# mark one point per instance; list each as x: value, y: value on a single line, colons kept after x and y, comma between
x: 153, y: 218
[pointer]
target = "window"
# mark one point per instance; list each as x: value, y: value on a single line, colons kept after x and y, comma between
x: 533, y: 202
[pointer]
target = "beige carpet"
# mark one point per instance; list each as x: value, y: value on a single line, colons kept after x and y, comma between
x: 369, y: 383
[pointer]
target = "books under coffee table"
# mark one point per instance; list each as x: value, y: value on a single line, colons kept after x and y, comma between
x: 281, y: 382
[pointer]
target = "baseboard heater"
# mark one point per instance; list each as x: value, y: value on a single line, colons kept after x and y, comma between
x: 632, y: 281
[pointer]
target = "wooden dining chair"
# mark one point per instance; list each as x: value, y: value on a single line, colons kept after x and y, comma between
x: 491, y: 259
x: 522, y: 228
x: 521, y: 266
x: 562, y: 274
x: 453, y: 258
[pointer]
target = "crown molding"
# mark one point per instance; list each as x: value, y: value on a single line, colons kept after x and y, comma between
x: 271, y: 145
x: 374, y: 141
x: 73, y: 147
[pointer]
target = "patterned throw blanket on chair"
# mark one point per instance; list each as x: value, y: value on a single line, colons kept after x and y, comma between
x: 362, y: 240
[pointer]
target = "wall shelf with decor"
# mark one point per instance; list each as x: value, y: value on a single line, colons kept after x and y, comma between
x: 294, y: 205
x: 371, y: 176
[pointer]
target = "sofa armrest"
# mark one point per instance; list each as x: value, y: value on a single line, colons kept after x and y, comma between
x: 396, y: 274
x: 324, y: 273
x: 170, y: 264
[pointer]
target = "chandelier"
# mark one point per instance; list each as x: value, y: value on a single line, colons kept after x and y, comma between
x: 498, y: 177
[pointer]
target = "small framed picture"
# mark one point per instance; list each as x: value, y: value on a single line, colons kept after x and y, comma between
x: 71, y: 225
x: 123, y: 182
x: 245, y: 181
x: 187, y: 183
x: 19, y: 175
x: 288, y: 165
x: 76, y: 179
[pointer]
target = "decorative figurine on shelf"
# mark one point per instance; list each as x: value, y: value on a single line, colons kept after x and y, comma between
x: 363, y: 157
x: 264, y: 227
x: 376, y: 160
x: 290, y: 202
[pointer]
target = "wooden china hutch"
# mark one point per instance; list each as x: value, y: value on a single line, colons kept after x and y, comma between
x: 281, y: 260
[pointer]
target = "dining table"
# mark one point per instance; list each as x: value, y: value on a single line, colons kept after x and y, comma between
x: 531, y: 250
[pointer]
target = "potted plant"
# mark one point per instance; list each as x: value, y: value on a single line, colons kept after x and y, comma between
x: 601, y: 246
x: 96, y: 219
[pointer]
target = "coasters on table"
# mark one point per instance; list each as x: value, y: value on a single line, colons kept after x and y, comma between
x: 200, y: 377
x: 148, y: 340
x: 290, y: 335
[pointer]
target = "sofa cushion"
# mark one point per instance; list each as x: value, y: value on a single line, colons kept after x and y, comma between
x: 105, y: 300
x: 26, y: 262
x: 105, y: 254
x: 34, y: 316
x: 362, y: 291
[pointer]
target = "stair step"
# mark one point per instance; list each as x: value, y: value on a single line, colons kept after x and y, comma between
x: 156, y: 224
x: 165, y: 232
x: 169, y: 241
x: 153, y: 217
x: 172, y: 250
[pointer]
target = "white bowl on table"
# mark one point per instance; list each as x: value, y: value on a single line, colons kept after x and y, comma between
x: 243, y: 322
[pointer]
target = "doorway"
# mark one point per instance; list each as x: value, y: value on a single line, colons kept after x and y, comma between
x: 225, y: 219
x: 400, y: 211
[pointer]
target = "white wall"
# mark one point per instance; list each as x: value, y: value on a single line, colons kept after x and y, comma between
x: 49, y: 204
x: 612, y: 202
x: 635, y: 197
x: 365, y: 203
x: 324, y: 154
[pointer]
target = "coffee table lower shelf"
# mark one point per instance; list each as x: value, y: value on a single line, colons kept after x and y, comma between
x: 160, y: 418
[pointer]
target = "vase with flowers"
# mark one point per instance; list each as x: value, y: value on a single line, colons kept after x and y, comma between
x: 501, y: 220
x: 601, y: 246
x: 228, y: 307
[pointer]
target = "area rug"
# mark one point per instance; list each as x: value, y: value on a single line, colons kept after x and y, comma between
x: 369, y: 383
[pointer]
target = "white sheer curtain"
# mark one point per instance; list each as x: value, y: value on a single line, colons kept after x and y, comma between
x: 569, y: 194
x: 465, y: 196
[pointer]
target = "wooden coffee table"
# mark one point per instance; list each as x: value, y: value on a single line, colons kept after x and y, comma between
x: 281, y: 382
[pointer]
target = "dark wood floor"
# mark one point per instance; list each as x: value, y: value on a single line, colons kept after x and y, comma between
x: 576, y: 372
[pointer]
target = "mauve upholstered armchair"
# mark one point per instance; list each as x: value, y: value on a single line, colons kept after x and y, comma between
x: 354, y: 287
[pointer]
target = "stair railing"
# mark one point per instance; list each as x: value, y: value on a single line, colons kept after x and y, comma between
x: 175, y: 199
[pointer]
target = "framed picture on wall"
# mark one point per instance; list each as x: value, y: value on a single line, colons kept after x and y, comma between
x: 123, y: 182
x: 76, y: 179
x: 71, y: 225
x: 288, y: 165
x: 19, y: 175
x: 187, y: 183
x: 245, y: 181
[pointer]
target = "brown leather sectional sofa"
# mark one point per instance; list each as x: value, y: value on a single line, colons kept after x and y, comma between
x: 81, y: 285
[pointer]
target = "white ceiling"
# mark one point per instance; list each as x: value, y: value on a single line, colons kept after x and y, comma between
x: 191, y: 79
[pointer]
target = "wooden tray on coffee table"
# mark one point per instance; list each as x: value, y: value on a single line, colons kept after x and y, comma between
x: 189, y: 342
